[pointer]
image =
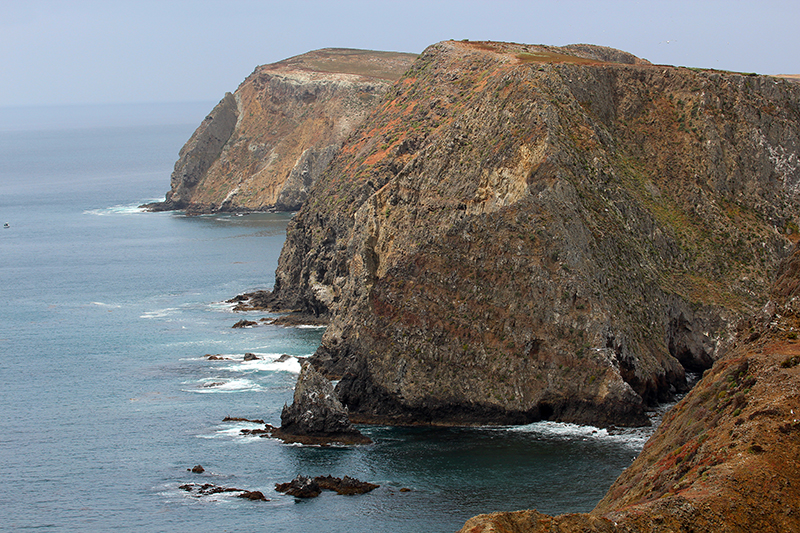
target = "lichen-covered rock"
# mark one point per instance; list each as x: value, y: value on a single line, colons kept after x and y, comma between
x: 264, y: 145
x: 316, y: 415
x: 524, y: 232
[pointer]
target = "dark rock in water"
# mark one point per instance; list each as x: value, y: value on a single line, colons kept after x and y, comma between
x: 208, y: 489
x: 283, y: 358
x: 316, y: 415
x: 255, y: 495
x: 346, y: 485
x: 251, y: 357
x: 216, y: 357
x: 239, y: 419
x: 300, y: 487
x: 197, y: 469
x: 305, y: 487
x: 245, y: 324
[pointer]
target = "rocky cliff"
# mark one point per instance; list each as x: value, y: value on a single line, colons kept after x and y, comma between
x: 523, y: 232
x: 725, y: 459
x: 264, y: 145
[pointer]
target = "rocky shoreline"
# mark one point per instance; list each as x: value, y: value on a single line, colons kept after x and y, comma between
x: 515, y: 233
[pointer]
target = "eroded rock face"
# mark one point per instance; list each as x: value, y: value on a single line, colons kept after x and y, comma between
x: 316, y: 415
x: 725, y: 458
x: 262, y: 147
x: 522, y: 232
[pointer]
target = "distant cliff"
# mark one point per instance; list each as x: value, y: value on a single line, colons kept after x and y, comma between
x: 725, y: 459
x: 263, y: 146
x: 525, y: 232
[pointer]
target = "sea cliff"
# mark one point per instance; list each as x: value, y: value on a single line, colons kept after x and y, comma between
x: 726, y: 458
x: 524, y: 232
x: 262, y: 147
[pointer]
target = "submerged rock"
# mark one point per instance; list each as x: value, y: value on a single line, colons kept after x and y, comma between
x: 316, y: 415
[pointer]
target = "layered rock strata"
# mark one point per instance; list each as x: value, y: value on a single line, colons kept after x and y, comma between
x: 725, y: 459
x: 524, y: 232
x: 263, y: 146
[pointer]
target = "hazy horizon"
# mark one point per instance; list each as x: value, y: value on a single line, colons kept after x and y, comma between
x: 86, y: 52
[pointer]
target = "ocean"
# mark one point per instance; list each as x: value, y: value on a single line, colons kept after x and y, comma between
x: 107, y: 398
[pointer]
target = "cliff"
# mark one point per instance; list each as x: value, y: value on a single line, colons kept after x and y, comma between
x: 524, y: 232
x: 263, y: 146
x: 725, y: 459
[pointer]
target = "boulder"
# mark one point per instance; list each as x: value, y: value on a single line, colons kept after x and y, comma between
x: 245, y: 324
x: 300, y: 487
x: 249, y: 356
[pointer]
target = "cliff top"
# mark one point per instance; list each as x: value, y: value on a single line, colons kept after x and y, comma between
x: 367, y: 63
x: 580, y: 54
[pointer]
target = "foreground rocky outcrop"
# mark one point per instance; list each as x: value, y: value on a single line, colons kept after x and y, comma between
x: 262, y: 147
x: 316, y: 415
x: 726, y: 458
x: 525, y: 232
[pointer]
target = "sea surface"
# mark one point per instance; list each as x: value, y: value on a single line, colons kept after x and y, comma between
x: 107, y: 398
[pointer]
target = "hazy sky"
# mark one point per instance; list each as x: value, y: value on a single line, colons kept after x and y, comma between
x: 84, y: 52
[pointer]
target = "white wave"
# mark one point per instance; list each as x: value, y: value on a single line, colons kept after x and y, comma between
x: 631, y: 437
x: 310, y: 326
x: 226, y: 307
x: 159, y: 313
x: 234, y: 431
x: 266, y: 363
x: 120, y: 209
x: 101, y: 304
x: 223, y: 385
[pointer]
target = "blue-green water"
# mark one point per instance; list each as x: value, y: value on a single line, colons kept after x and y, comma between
x: 106, y: 398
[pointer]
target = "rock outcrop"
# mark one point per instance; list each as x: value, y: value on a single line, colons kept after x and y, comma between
x: 262, y: 147
x: 305, y: 487
x: 725, y: 459
x: 525, y: 232
x: 316, y: 415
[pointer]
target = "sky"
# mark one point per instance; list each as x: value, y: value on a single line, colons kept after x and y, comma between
x: 81, y: 52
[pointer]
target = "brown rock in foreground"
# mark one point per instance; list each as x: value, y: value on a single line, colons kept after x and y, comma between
x: 725, y: 459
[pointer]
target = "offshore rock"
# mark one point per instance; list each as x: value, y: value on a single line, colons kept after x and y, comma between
x: 300, y: 487
x: 262, y: 147
x: 725, y: 457
x: 525, y: 232
x: 305, y: 487
x: 316, y: 415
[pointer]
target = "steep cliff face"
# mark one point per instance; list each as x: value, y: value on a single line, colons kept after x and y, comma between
x: 263, y: 146
x: 524, y: 232
x: 726, y: 458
